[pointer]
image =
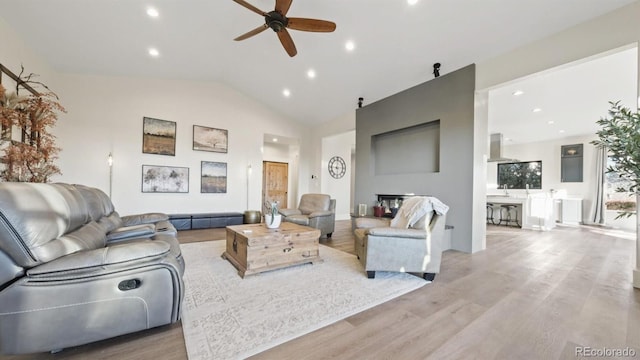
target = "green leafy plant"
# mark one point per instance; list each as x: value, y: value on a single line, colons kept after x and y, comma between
x: 620, y: 135
x: 271, y: 207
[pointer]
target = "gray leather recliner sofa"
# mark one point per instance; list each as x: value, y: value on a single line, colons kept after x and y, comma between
x: 72, y: 271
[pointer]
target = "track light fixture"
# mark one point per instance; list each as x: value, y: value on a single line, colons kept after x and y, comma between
x: 436, y: 69
x: 360, y: 100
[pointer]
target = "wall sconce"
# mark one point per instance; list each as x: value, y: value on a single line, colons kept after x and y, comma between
x: 110, y: 163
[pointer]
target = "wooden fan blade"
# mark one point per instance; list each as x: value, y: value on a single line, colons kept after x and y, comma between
x: 255, y: 31
x: 311, y: 25
x: 282, y: 6
x: 287, y: 42
x: 251, y: 7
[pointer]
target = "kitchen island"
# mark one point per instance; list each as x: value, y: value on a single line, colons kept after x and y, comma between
x: 535, y: 211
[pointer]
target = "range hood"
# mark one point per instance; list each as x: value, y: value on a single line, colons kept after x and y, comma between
x: 495, y: 149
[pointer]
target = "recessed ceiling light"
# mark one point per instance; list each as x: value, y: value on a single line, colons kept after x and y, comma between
x: 537, y: 110
x: 561, y: 131
x: 551, y: 122
x: 518, y: 93
x: 286, y: 92
x: 275, y: 139
x: 412, y: 2
x: 154, y: 52
x: 311, y: 74
x: 152, y: 12
x: 350, y: 45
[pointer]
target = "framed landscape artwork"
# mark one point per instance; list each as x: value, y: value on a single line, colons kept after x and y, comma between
x: 213, y: 177
x: 158, y: 136
x: 210, y: 139
x: 165, y: 179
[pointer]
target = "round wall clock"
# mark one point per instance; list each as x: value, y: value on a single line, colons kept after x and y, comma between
x: 337, y: 167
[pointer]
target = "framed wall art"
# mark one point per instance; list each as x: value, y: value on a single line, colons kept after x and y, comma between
x: 213, y: 177
x: 158, y: 136
x: 165, y: 179
x: 210, y: 139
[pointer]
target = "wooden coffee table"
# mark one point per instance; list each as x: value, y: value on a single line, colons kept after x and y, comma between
x: 254, y: 248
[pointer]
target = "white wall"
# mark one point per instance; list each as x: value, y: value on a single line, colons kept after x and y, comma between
x: 14, y: 53
x: 549, y: 153
x: 339, y: 189
x: 105, y: 115
x: 610, y: 31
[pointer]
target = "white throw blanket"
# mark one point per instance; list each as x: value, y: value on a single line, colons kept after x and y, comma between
x: 416, y: 207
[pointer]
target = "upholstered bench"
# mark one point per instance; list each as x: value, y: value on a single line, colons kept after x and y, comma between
x: 181, y: 221
x: 205, y: 220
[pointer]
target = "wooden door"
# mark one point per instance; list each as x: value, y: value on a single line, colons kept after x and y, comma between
x: 275, y: 182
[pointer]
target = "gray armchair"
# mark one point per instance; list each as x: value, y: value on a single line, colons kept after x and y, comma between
x: 411, y: 242
x: 63, y: 282
x: 315, y: 210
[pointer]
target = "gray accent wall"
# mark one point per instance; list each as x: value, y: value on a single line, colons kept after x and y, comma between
x: 449, y: 99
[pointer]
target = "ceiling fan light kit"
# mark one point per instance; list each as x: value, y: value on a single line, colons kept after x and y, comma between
x: 279, y: 22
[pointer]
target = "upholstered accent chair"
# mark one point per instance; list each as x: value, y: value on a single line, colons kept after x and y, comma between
x: 315, y: 210
x: 410, y: 242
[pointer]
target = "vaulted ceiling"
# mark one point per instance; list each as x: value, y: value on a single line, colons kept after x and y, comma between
x: 396, y: 43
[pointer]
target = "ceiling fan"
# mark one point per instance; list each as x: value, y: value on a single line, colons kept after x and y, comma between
x: 279, y: 22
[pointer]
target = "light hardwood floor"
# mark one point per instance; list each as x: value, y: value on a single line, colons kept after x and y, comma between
x: 530, y: 295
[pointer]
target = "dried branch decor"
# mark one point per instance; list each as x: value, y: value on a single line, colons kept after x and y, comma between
x: 29, y: 160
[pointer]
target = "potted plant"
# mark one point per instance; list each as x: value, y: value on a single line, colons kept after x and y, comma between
x: 620, y: 135
x: 271, y: 216
x: 378, y: 209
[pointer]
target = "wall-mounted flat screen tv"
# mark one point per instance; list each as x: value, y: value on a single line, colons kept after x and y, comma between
x: 517, y: 175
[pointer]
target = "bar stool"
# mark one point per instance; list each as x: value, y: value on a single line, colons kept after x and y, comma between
x: 505, y: 215
x: 490, y: 214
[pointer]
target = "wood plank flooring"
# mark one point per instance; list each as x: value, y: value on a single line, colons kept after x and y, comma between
x: 530, y: 295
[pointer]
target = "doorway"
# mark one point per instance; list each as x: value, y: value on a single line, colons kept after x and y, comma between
x: 275, y: 182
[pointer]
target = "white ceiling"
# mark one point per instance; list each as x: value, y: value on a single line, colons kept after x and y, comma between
x: 396, y: 44
x: 573, y: 97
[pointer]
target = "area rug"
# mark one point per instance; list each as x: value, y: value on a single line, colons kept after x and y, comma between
x: 227, y: 317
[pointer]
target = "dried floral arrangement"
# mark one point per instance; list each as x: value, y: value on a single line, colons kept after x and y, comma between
x: 32, y: 159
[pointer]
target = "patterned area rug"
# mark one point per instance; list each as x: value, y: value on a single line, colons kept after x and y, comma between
x: 227, y: 317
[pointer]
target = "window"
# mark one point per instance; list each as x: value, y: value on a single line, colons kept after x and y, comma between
x: 518, y: 175
x: 615, y: 200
